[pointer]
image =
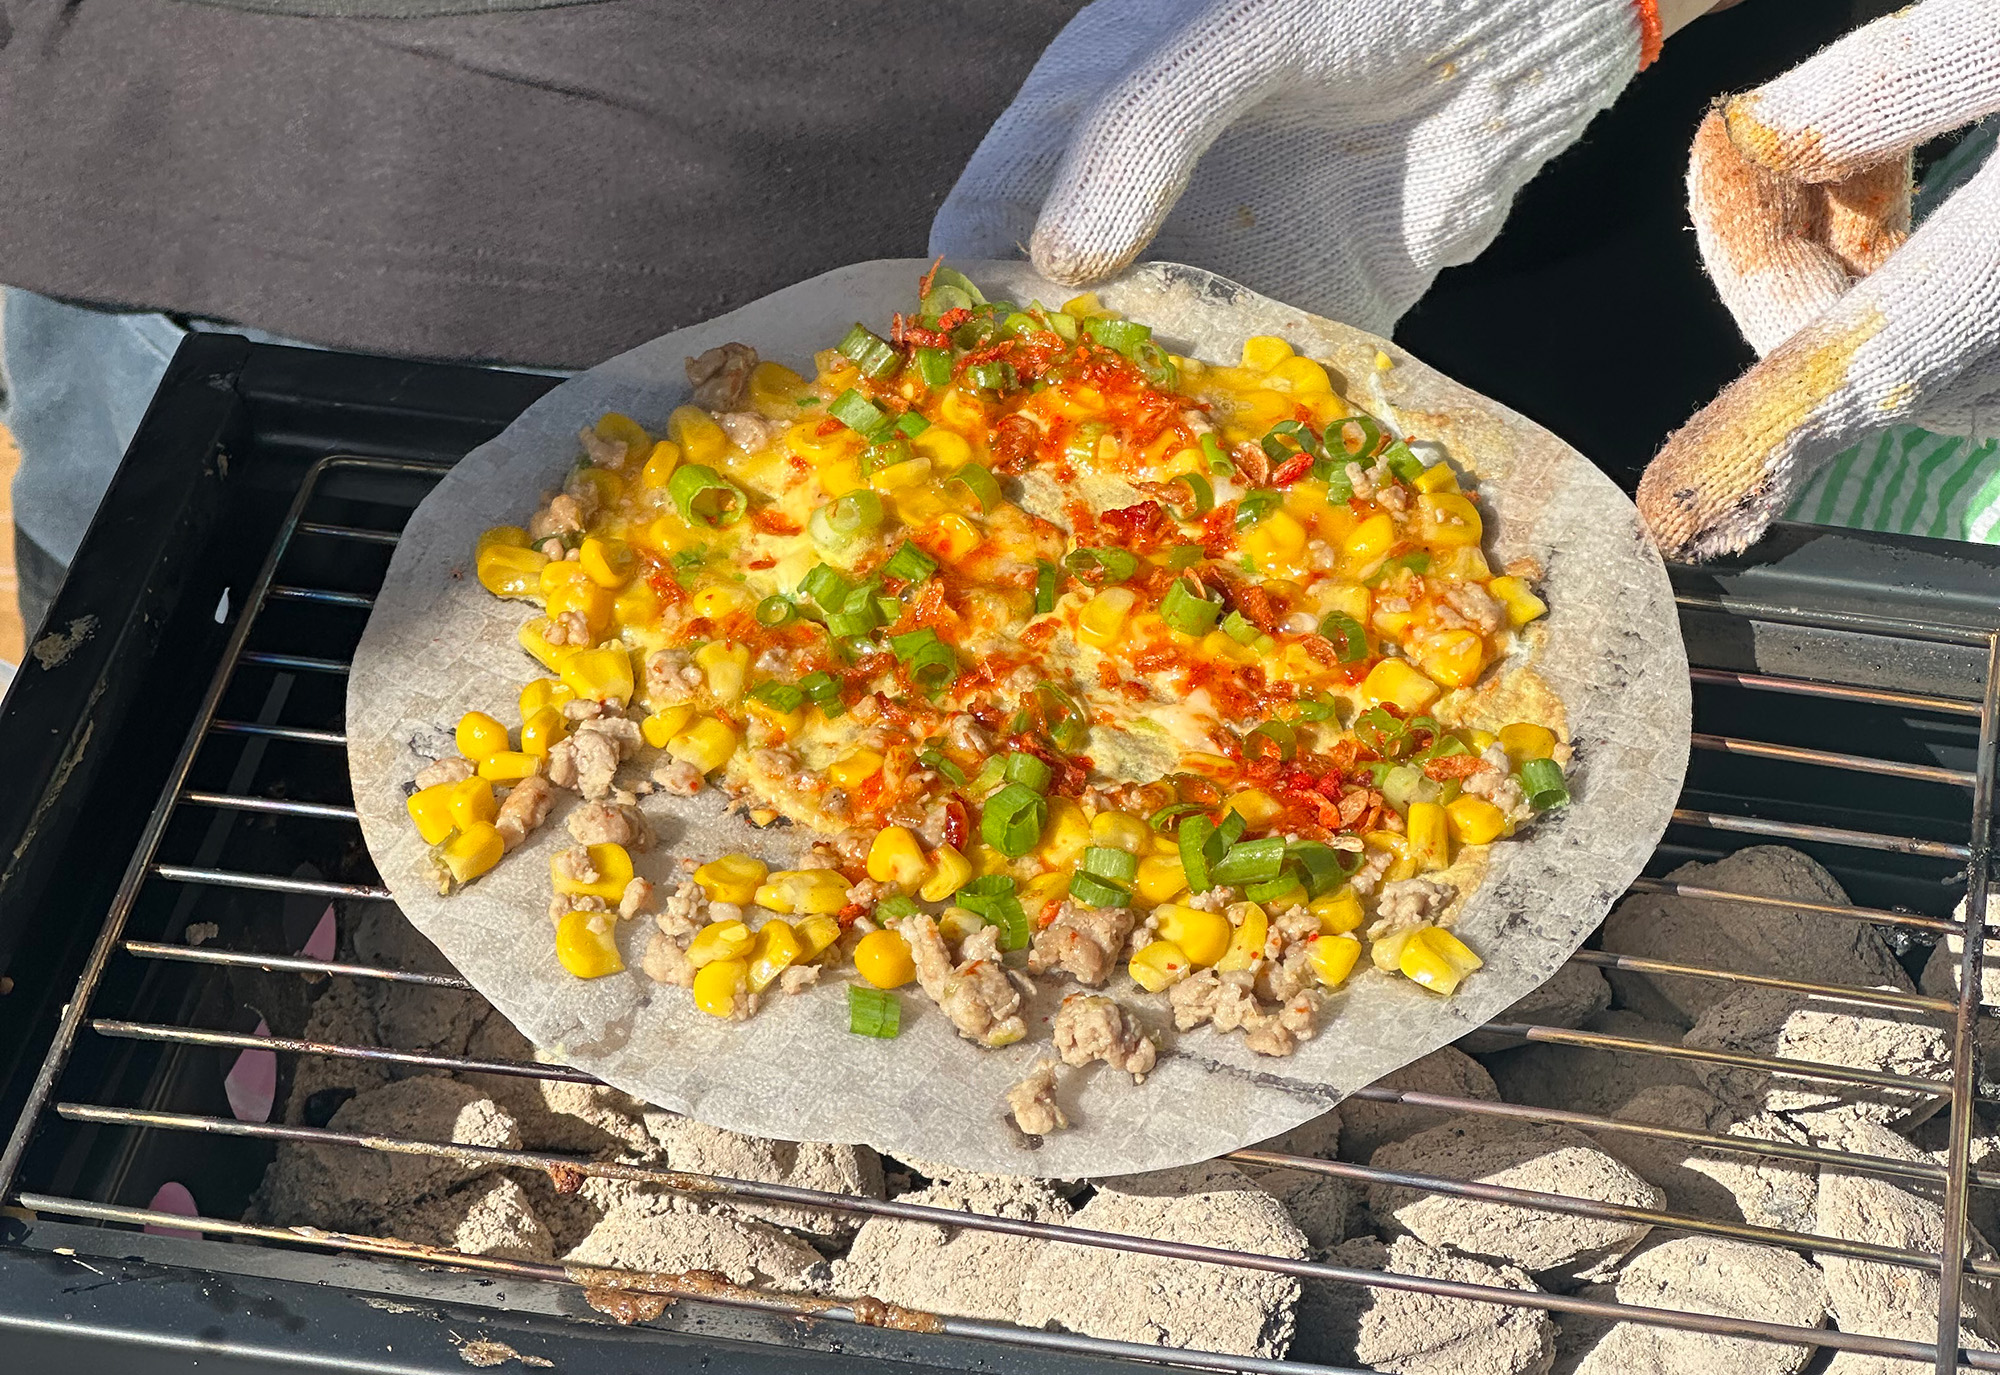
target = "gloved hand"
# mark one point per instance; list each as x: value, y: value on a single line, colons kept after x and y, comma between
x: 1335, y: 154
x: 1800, y: 193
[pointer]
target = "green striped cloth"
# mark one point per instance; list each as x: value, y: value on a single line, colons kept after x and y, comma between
x: 1908, y: 480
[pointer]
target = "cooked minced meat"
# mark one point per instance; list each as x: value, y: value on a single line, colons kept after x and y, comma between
x: 610, y: 823
x: 450, y: 769
x: 721, y: 376
x: 526, y: 807
x: 976, y: 996
x: 1084, y: 941
x: 1033, y: 1101
x: 1092, y: 1027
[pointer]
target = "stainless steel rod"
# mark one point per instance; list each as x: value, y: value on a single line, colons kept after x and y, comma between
x: 290, y: 964
x: 1825, y: 835
x: 243, y: 1040
x: 303, y: 734
x: 325, y: 596
x: 1855, y: 622
x: 1806, y: 687
x: 1847, y: 993
x: 282, y: 806
x: 1854, y: 763
x: 353, y: 532
x: 1879, y: 915
x: 298, y: 663
x: 270, y: 883
x: 1797, y: 1069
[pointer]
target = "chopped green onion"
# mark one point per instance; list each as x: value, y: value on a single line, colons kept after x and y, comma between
x: 1417, y: 561
x: 1333, y: 472
x: 1109, y: 862
x: 934, y: 366
x: 851, y: 625
x: 1219, y: 463
x: 780, y: 697
x: 874, y: 1012
x: 911, y: 424
x: 1170, y: 815
x: 826, y: 586
x: 978, y: 480
x: 1062, y: 716
x: 1230, y: 829
x: 1013, y: 819
x: 1284, y: 740
x: 1321, y: 867
x: 1290, y: 437
x: 775, y: 611
x: 1240, y: 628
x: 992, y: 376
x: 1102, y: 567
x: 1250, y: 861
x: 958, y: 281
x: 910, y: 563
x: 992, y: 897
x: 1398, y: 459
x: 1312, y: 709
x: 928, y: 660
x: 1273, y: 889
x: 1350, y: 640
x: 1195, y: 834
x: 1405, y: 784
x: 1255, y: 505
x: 1444, y: 747
x: 1121, y: 335
x: 853, y: 516
x: 1093, y: 891
x: 1013, y: 924
x: 1027, y: 769
x: 705, y: 497
x: 858, y: 413
x: 1065, y: 326
x: 872, y: 354
x: 1186, y: 611
x: 1156, y: 365
x: 1379, y: 732
x: 1542, y: 781
x: 895, y: 907
x: 1047, y: 576
x: 1021, y: 322
x: 824, y: 689
x: 1184, y: 556
x: 943, y: 300
x: 935, y: 761
x: 989, y: 775
x: 891, y: 449
x: 1201, y: 497
x: 1359, y: 435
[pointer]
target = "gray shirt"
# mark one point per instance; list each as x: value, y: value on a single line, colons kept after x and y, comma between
x: 541, y: 186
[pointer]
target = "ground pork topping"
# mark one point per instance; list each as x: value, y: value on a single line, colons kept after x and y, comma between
x: 1033, y: 1101
x: 610, y: 823
x: 976, y: 995
x: 1407, y: 904
x: 450, y: 769
x: 721, y: 376
x: 1092, y: 1027
x: 1084, y: 941
x: 526, y: 807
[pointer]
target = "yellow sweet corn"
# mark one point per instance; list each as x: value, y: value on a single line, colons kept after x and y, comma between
x: 1160, y: 877
x: 951, y: 537
x: 1460, y: 563
x: 1394, y: 681
x: 1204, y: 937
x: 1275, y: 540
x: 720, y: 940
x: 587, y: 944
x: 1371, y: 539
x: 1437, y: 478
x: 987, y: 860
x: 921, y: 505
x: 811, y: 892
x: 430, y: 808
x: 900, y: 477
x: 608, y: 563
x: 1349, y: 599
x: 722, y: 988
x: 774, y: 389
x: 897, y: 857
x: 1339, y: 912
x: 1524, y: 740
x: 1474, y: 820
x: 726, y: 667
x: 732, y: 878
x: 664, y: 724
x: 1436, y: 959
x: 1120, y: 831
x: 776, y: 949
x: 706, y: 744
x: 502, y: 536
x: 1479, y: 740
x: 1449, y: 518
x: 785, y: 723
x: 1066, y: 835
x: 1303, y: 377
x: 541, y: 693
x: 949, y: 872
x: 956, y: 923
x: 471, y: 852
x: 560, y: 573
x: 1386, y: 954
x: 614, y: 870
x: 1084, y: 306
x: 854, y: 768
x: 479, y: 735
x: 506, y: 570
x: 1429, y: 837
x: 947, y: 452
x: 816, y: 934
x: 1041, y: 890
x: 1247, y: 944
x: 717, y: 602
x: 600, y: 675
x: 1256, y: 807
x: 701, y: 440
x: 1159, y: 966
x: 1332, y: 959
x: 595, y: 604
x: 962, y: 410
x: 1453, y: 658
x: 541, y: 731
x: 660, y: 464
x: 883, y: 959
x: 1103, y: 616
x: 509, y: 766
x: 1262, y: 352
x: 615, y: 428
x: 1402, y: 865
x: 472, y: 802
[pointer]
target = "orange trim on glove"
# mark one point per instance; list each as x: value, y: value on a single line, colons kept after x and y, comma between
x: 1650, y: 37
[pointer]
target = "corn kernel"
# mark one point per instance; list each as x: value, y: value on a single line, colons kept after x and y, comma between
x: 1402, y: 864
x: 1084, y: 306
x: 962, y: 410
x: 816, y: 935
x: 1429, y: 836
x: 587, y: 944
x: 1522, y: 604
x: 509, y: 766
x: 1303, y: 377
x: 1103, y: 616
x: 664, y: 724
x: 707, y: 744
x: 1256, y: 807
x: 560, y: 573
x: 951, y: 537
x: 898, y: 857
x: 1370, y: 539
x: 1276, y: 539
x: 1247, y: 945
x: 1120, y: 831
x: 732, y: 878
x: 701, y: 440
x: 1160, y: 877
x: 1453, y: 658
x: 722, y: 988
x: 950, y: 871
x: 502, y: 537
x: 1524, y: 740
x: 921, y: 505
x: 471, y: 852
x: 1479, y: 740
x: 614, y: 870
x: 1474, y: 820
x: 1394, y: 681
x: 1066, y: 835
x: 1339, y: 911
x: 1449, y: 518
x: 854, y: 768
x: 776, y: 949
x: 901, y: 477
x: 785, y: 723
x: 430, y: 808
x: 1437, y: 478
x: 472, y: 803
x: 1437, y: 959
x: 774, y: 388
x: 987, y: 860
x: 726, y: 667
x: 717, y: 602
x: 479, y: 735
x: 1386, y: 954
x: 1159, y: 966
x: 595, y: 604
x: 720, y: 940
x: 540, y: 732
x: 1041, y: 890
x: 1460, y: 563
x: 1204, y: 937
x: 614, y: 428
x: 1332, y: 959
x: 811, y: 892
x: 508, y: 571
x: 608, y: 563
x: 805, y: 440
x: 1262, y: 352
x: 883, y: 958
x: 955, y: 924
x: 660, y: 464
x: 541, y: 693
x: 600, y: 675
x: 947, y: 452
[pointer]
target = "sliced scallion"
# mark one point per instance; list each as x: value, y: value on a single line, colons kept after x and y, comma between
x: 1121, y: 335
x: 1029, y: 770
x: 1542, y: 781
x: 1195, y: 834
x: 1047, y: 577
x: 1103, y: 567
x: 1013, y: 819
x: 858, y: 413
x: 1350, y: 639
x: 1110, y: 862
x: 1189, y: 611
x: 874, y: 1012
x: 979, y: 480
x: 775, y: 611
x: 1093, y: 891
x: 910, y: 563
x: 1398, y: 459
x: 991, y: 376
x: 1272, y: 739
x: 1201, y: 496
x: 1156, y: 365
x: 1359, y: 435
x: 1250, y: 861
x: 934, y: 366
x: 1255, y: 505
x: 927, y: 659
x: 780, y: 697
x: 705, y: 497
x: 824, y: 689
x: 826, y: 586
x: 1184, y: 556
x: 1218, y: 462
x: 1240, y: 628
x: 935, y: 761
x: 1288, y: 438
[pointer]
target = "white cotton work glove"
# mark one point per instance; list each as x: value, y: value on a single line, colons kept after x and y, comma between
x: 1800, y: 193
x: 1334, y: 154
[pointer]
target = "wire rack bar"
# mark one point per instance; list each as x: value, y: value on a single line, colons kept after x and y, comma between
x: 1854, y: 622
x: 297, y: 663
x: 353, y: 532
x: 271, y: 883
x: 302, y: 734
x: 1824, y: 835
x: 241, y: 1040
x: 324, y: 596
x: 1847, y: 993
x: 281, y: 806
x: 1879, y: 916
x: 1828, y: 759
x: 1839, y: 692
x: 289, y: 964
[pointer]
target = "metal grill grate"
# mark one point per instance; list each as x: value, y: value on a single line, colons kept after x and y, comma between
x: 61, y: 1094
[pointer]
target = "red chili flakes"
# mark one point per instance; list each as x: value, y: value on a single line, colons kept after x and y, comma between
x: 1012, y: 443
x: 758, y: 565
x: 828, y: 426
x: 1037, y: 635
x: 773, y: 523
x: 1141, y: 528
x: 957, y: 824
x: 1291, y: 470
